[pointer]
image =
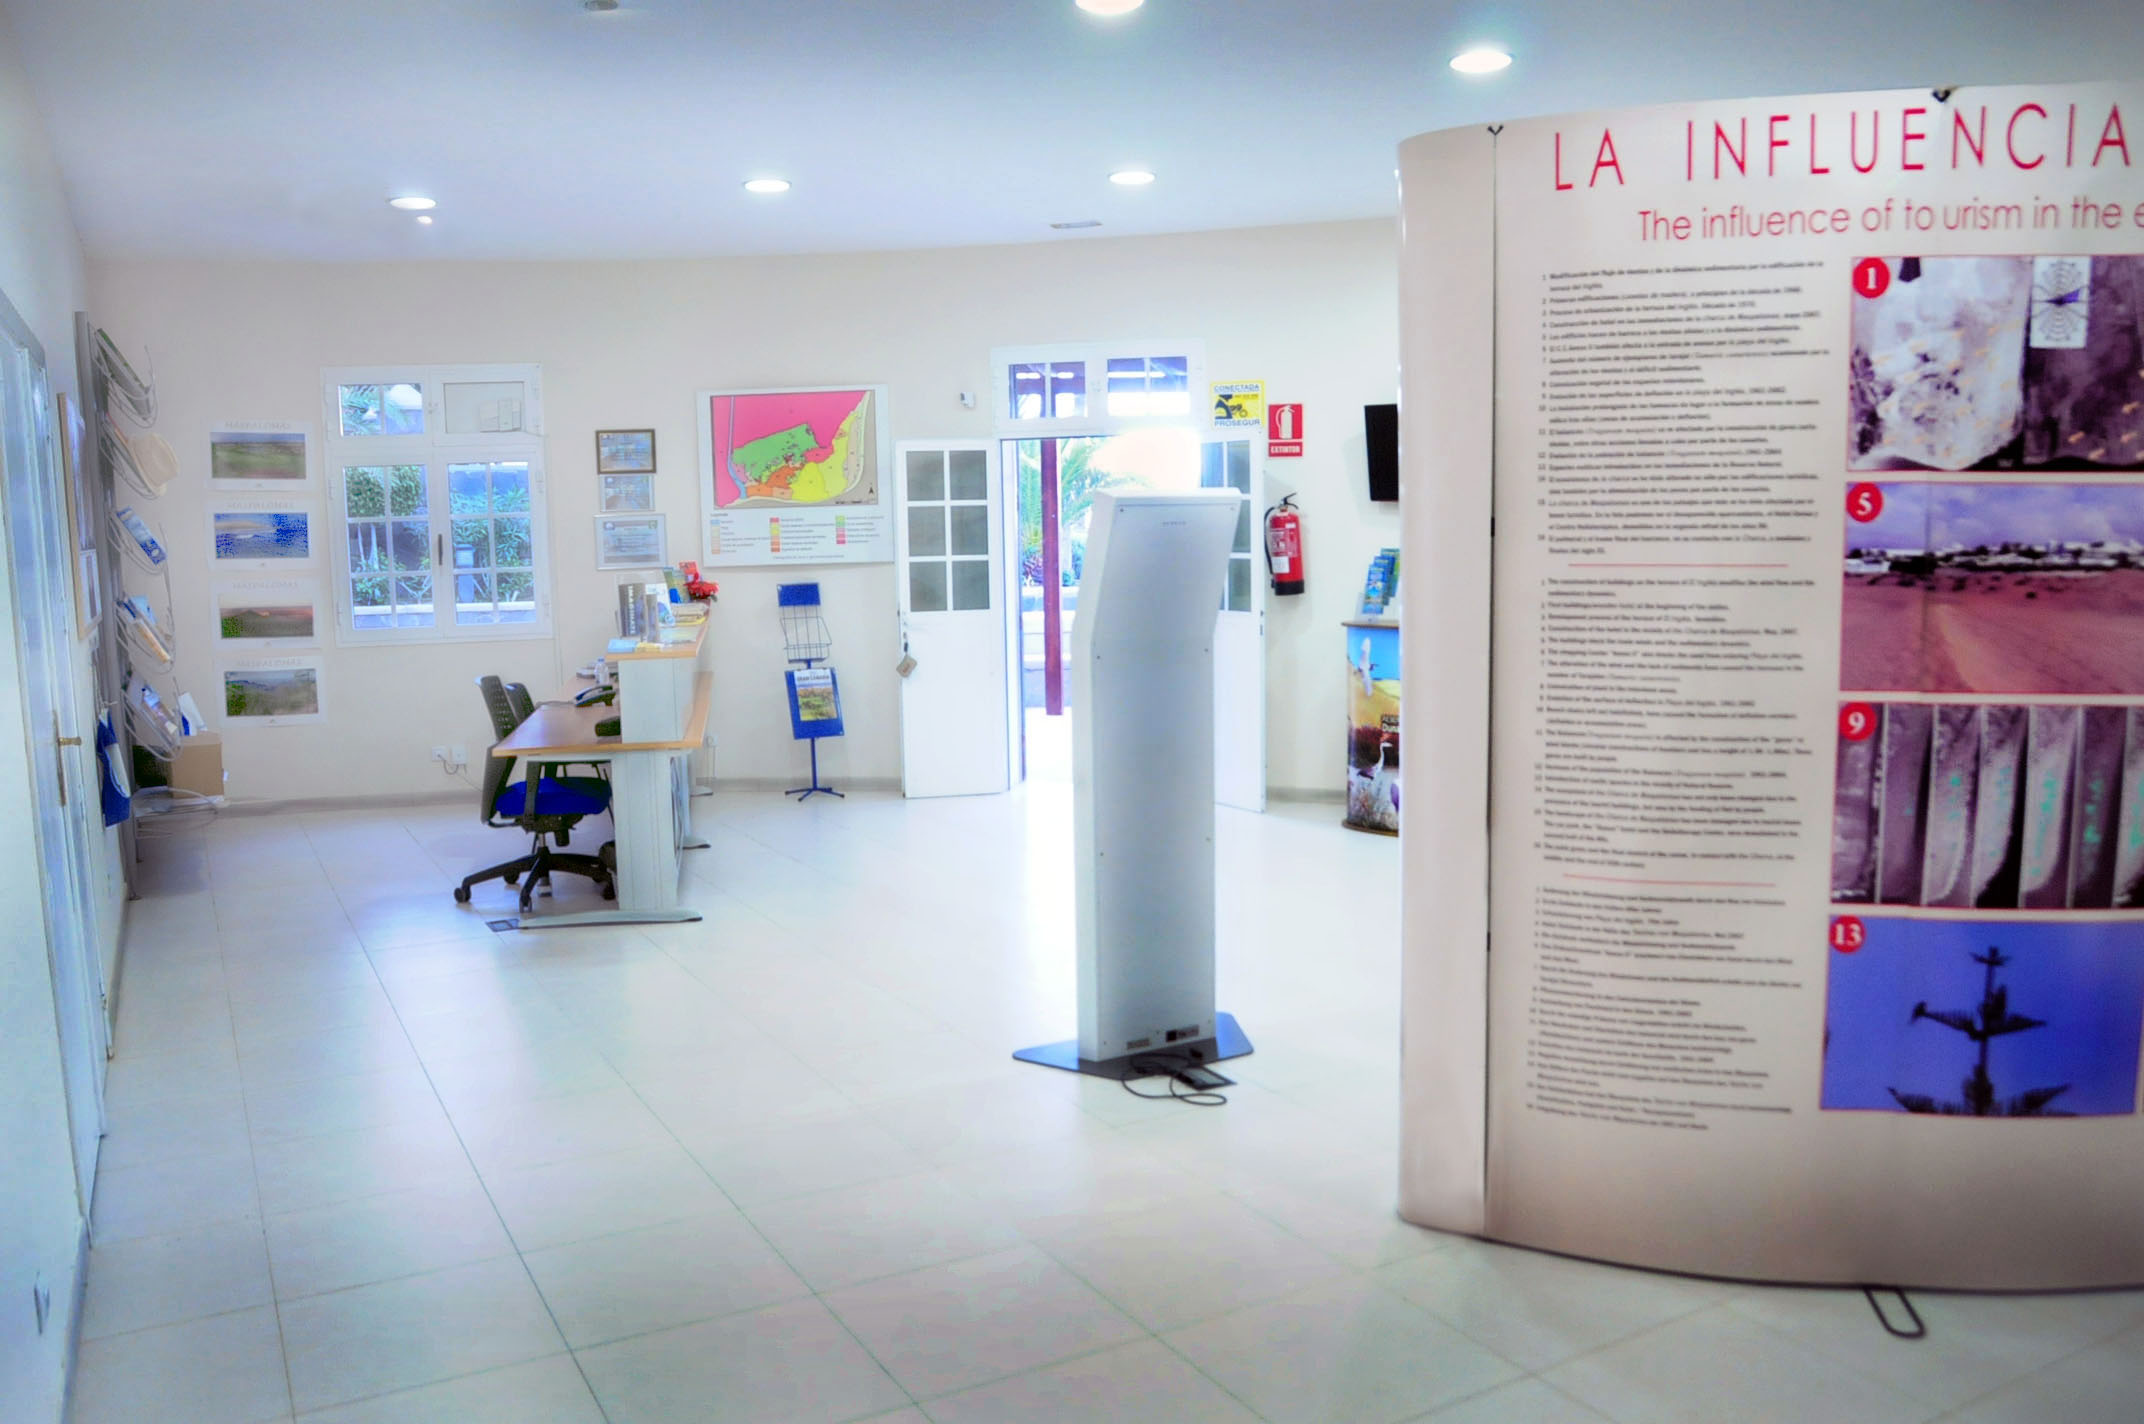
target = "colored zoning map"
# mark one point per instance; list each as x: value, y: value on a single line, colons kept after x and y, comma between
x: 794, y: 448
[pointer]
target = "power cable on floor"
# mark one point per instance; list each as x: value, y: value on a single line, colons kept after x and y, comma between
x: 1920, y: 1328
x: 1176, y: 1068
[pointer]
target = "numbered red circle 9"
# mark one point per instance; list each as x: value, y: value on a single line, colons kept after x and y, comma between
x: 1857, y: 721
x: 1864, y: 502
x: 1872, y: 277
x: 1848, y: 933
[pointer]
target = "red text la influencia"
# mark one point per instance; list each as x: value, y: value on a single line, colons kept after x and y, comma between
x: 1909, y: 139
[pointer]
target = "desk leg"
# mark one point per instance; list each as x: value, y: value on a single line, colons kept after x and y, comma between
x: 644, y: 809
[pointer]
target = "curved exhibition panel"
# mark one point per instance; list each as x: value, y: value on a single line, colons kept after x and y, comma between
x: 1800, y: 444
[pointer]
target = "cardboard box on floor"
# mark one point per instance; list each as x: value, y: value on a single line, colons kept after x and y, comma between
x: 199, y: 765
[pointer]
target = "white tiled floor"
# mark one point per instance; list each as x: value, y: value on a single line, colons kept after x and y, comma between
x: 370, y: 1162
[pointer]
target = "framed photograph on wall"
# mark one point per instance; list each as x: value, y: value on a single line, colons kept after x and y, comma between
x: 88, y: 595
x: 631, y: 541
x: 623, y: 494
x: 256, y: 614
x: 72, y: 432
x: 625, y: 452
x: 264, y: 455
x: 260, y: 535
x: 272, y: 692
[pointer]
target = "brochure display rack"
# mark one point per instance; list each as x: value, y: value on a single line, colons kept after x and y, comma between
x: 1805, y: 808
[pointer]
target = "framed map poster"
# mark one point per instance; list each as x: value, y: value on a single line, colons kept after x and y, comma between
x: 796, y: 476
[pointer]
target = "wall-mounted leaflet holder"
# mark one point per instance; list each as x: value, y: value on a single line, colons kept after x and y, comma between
x: 129, y: 392
x: 138, y: 540
x: 145, y: 463
x: 152, y: 722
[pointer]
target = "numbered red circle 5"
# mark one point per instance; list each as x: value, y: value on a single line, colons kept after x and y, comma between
x: 1864, y: 502
x: 1857, y: 721
x: 1848, y: 933
x: 1872, y: 277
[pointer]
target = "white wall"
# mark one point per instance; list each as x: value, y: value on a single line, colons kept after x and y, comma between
x: 41, y: 272
x: 1310, y: 310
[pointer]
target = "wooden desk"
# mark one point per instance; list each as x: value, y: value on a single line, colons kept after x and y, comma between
x: 650, y: 805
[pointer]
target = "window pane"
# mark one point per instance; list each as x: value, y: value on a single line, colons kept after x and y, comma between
x: 1210, y: 466
x: 926, y: 530
x: 1023, y: 391
x: 364, y: 492
x: 968, y: 474
x: 971, y: 529
x: 1169, y: 373
x: 926, y: 586
x: 368, y: 546
x: 926, y: 474
x: 468, y: 489
x: 406, y: 492
x: 402, y: 409
x: 511, y: 546
x: 971, y: 584
x: 1239, y: 585
x: 1243, y: 528
x: 472, y: 598
x: 1068, y: 389
x: 412, y: 545
x: 413, y: 602
x: 472, y: 543
x: 360, y: 409
x: 510, y: 487
x: 517, y: 597
x: 1239, y: 464
x: 480, y: 407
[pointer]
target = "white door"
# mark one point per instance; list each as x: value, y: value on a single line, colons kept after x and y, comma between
x: 949, y: 519
x: 61, y: 740
x: 1232, y: 460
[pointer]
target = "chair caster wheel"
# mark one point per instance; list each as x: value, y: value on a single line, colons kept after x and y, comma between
x: 461, y: 894
x: 610, y: 892
x: 514, y: 879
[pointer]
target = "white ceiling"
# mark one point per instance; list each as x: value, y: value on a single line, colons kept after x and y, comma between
x: 277, y: 128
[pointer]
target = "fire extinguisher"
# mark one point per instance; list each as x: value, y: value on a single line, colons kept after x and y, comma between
x: 1284, y: 546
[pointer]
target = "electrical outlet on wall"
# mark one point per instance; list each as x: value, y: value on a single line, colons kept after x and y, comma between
x: 439, y: 753
x: 458, y: 755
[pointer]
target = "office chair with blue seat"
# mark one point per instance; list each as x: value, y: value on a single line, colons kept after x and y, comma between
x: 546, y: 805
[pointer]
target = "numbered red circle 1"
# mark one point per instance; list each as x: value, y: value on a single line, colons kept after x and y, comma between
x: 1857, y: 721
x: 1848, y: 933
x: 1872, y: 277
x: 1864, y: 502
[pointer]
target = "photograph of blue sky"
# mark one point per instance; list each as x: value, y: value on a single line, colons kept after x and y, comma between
x: 1936, y: 516
x: 2086, y: 981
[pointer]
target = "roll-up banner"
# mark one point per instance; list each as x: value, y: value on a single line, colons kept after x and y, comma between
x: 1806, y: 718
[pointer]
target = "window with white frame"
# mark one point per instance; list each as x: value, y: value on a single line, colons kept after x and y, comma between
x: 1097, y: 386
x: 436, y: 487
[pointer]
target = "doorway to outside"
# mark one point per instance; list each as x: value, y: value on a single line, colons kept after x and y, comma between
x: 1055, y: 480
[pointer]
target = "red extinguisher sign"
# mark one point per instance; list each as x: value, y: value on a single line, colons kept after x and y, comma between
x: 1284, y: 546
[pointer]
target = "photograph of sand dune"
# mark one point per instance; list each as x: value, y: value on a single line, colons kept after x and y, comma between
x: 1997, y: 363
x: 1996, y: 588
x: 1999, y: 807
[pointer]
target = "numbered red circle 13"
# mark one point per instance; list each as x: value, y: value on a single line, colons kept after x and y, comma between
x: 1864, y: 502
x: 1872, y: 277
x: 1848, y: 933
x: 1857, y: 721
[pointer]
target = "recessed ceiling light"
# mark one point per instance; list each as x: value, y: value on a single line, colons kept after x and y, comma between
x: 411, y: 203
x: 1109, y: 7
x: 599, y: 7
x: 766, y: 185
x: 1484, y: 59
x: 424, y: 219
x: 1083, y: 222
x: 1131, y: 177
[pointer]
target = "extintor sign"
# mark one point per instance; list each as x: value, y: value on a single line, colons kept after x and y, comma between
x: 1284, y: 431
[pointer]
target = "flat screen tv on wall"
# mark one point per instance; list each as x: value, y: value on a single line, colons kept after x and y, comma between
x: 1381, y: 435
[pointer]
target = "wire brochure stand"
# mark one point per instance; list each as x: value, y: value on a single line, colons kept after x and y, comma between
x: 814, y: 695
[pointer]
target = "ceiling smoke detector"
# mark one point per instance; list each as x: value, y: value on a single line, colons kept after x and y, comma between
x: 599, y: 7
x: 1083, y: 222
